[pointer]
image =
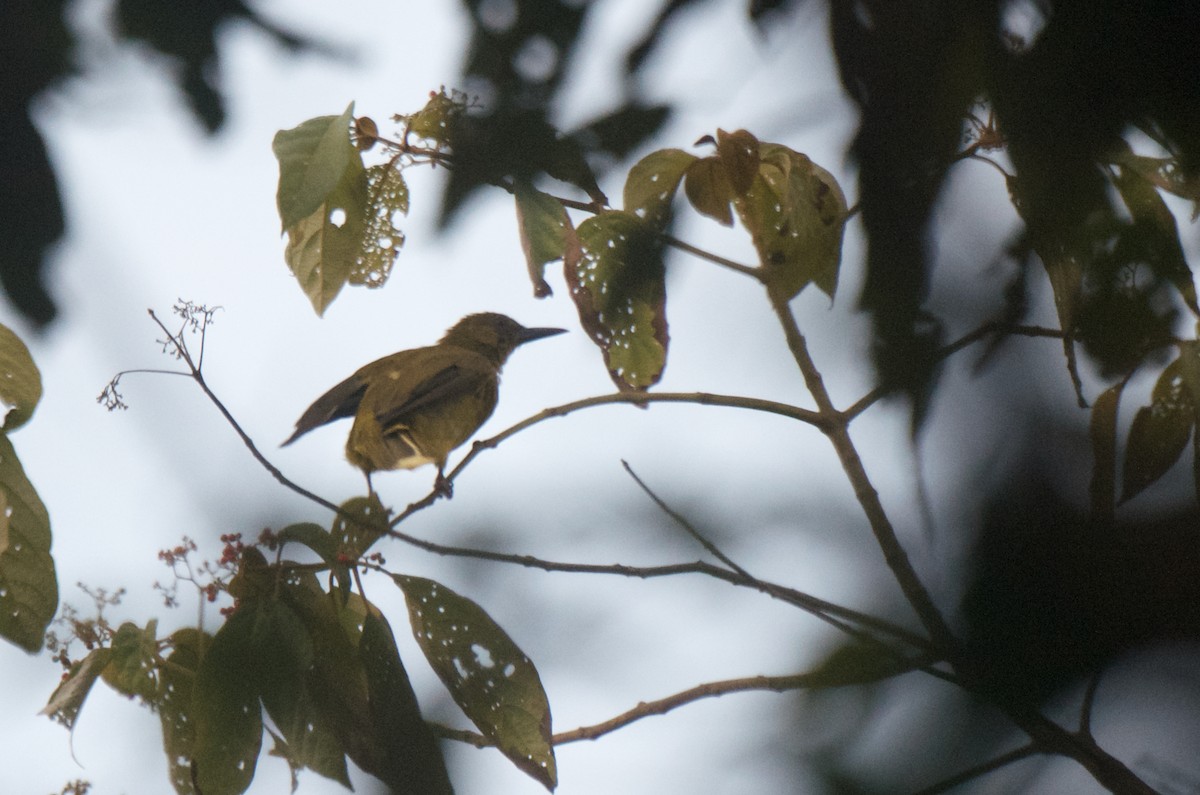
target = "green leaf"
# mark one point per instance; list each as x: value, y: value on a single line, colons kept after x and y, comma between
x: 387, y: 200
x: 225, y: 708
x: 795, y: 212
x: 493, y: 681
x: 653, y: 182
x: 284, y: 655
x: 20, y: 381
x: 1189, y: 369
x: 411, y: 760
x: 619, y: 289
x: 739, y: 155
x: 1165, y: 173
x: 361, y: 522
x: 324, y: 247
x: 1159, y: 432
x: 175, y: 708
x: 28, y: 587
x: 313, y: 160
x: 1103, y: 429
x: 68, y: 697
x: 313, y: 536
x: 707, y: 187
x: 436, y: 121
x: 133, y: 670
x: 546, y: 233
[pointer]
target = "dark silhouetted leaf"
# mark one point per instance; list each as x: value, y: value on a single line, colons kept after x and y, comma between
x: 414, y: 763
x: 1159, y: 433
x: 493, y: 681
x: 618, y: 286
x: 1103, y: 429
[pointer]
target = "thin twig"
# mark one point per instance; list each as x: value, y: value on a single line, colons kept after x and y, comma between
x: 837, y: 431
x: 661, y: 706
x: 687, y: 526
x: 982, y: 769
x: 198, y: 377
x: 1089, y: 700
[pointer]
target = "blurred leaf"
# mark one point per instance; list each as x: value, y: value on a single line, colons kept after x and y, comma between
x: 1159, y: 432
x: 795, y: 212
x: 313, y: 536
x: 707, y: 187
x: 857, y: 664
x: 546, y: 233
x: 28, y: 587
x: 653, y: 182
x: 1103, y: 429
x: 1155, y: 233
x: 619, y: 288
x: 1189, y: 369
x: 225, y: 709
x: 324, y: 248
x: 175, y: 708
x: 20, y: 381
x: 133, y: 669
x: 1165, y: 173
x: 387, y: 200
x: 620, y: 132
x: 414, y: 763
x: 68, y: 697
x: 314, y: 159
x: 493, y: 681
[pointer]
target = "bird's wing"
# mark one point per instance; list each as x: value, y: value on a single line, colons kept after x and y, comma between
x: 341, y: 401
x: 453, y: 380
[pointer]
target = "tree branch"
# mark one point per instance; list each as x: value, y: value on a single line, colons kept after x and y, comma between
x: 982, y: 769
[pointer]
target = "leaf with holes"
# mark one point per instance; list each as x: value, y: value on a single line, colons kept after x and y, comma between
x: 652, y: 184
x: 177, y: 679
x: 1103, y: 429
x: 795, y: 212
x: 68, y: 697
x: 313, y: 160
x: 225, y: 709
x: 618, y: 285
x: 324, y: 247
x: 387, y: 201
x: 28, y: 585
x: 20, y: 381
x: 739, y: 154
x: 133, y: 670
x: 546, y: 233
x: 493, y: 681
x: 436, y: 121
x: 707, y: 187
x: 1159, y: 432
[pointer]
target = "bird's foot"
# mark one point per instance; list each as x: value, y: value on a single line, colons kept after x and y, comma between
x: 443, y: 487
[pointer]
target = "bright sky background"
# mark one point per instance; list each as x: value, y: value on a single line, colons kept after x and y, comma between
x: 157, y: 211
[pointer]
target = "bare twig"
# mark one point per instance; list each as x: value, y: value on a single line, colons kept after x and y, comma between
x: 687, y: 526
x: 661, y: 706
x: 982, y: 769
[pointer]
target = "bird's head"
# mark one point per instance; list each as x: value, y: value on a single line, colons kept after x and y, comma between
x: 493, y: 335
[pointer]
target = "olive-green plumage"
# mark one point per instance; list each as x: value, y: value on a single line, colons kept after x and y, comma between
x: 415, y: 406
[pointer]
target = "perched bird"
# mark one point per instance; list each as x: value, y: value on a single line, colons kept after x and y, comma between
x: 413, y: 407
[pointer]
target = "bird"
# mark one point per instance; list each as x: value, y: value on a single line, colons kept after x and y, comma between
x: 416, y: 406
